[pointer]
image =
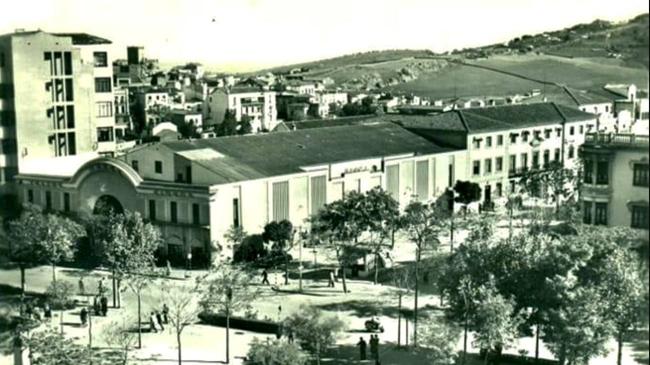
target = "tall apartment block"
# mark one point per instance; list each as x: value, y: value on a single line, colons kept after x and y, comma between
x: 56, y: 100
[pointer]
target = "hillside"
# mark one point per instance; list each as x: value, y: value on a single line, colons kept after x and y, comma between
x: 583, y: 56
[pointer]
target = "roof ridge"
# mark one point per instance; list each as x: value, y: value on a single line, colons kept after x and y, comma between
x: 564, y: 118
x: 463, y: 121
x: 568, y: 91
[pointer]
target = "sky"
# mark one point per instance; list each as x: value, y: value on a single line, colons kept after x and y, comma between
x: 241, y: 35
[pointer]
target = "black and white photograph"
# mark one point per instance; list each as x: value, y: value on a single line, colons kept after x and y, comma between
x: 324, y: 182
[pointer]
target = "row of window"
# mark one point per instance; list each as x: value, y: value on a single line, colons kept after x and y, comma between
x: 60, y: 63
x: 601, y: 169
x: 103, y: 85
x: 48, y: 200
x: 596, y: 213
x: 526, y: 135
x: 173, y: 212
x: 62, y: 89
x: 62, y: 116
x: 523, y: 161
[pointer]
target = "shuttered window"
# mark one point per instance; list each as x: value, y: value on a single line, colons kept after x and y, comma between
x: 280, y: 201
x: 392, y: 181
x: 318, y: 193
x: 422, y: 180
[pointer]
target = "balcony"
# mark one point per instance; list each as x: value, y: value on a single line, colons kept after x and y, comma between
x: 617, y: 140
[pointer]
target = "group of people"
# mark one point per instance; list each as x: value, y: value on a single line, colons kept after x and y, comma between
x: 374, y: 348
x: 158, y: 318
x: 32, y: 311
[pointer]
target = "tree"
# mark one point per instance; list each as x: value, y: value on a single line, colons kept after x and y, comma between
x: 403, y: 281
x: 561, y: 182
x: 422, y: 223
x: 281, y: 235
x: 378, y: 211
x: 226, y: 290
x: 467, y: 192
x: 59, y: 294
x: 228, y: 126
x: 314, y: 330
x: 127, y: 245
x: 48, y: 346
x: 183, y: 309
x: 439, y: 337
x: 25, y: 247
x: 275, y: 352
x: 339, y: 225
x: 118, y: 333
x: 137, y: 280
x: 495, y: 321
x: 245, y: 126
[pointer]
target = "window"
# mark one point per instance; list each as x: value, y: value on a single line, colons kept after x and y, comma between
x: 602, y: 172
x: 589, y: 172
x: 66, y: 202
x: 392, y: 181
x: 535, y: 159
x: 547, y: 157
x: 196, y: 214
x: 587, y: 206
x: 101, y: 59
x: 572, y: 152
x: 422, y: 179
x: 524, y: 136
x: 513, y: 163
x: 188, y: 174
x: 556, y: 155
x: 158, y: 168
x: 135, y: 166
x: 538, y: 135
x: 235, y: 212
x: 582, y: 129
x: 105, y: 134
x: 601, y: 214
x: 69, y: 90
x: 69, y: 115
x: 104, y: 108
x: 280, y: 201
x: 558, y: 132
x: 524, y: 161
x: 488, y: 166
x: 572, y: 130
x: 499, y: 190
x: 513, y: 138
x: 450, y: 175
x: 500, y: 140
x: 102, y: 84
x: 547, y: 133
x: 499, y: 164
x: 640, y: 216
x: 152, y: 210
x: 488, y: 142
x: 476, y: 168
x: 67, y: 63
x: 640, y: 177
x: 318, y: 193
x: 477, y: 143
x: 30, y: 196
x: 173, y: 212
x: 48, y: 200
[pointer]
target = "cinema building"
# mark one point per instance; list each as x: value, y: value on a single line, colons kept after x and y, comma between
x: 195, y: 190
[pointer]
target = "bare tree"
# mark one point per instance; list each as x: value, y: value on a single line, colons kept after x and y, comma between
x: 118, y: 333
x: 183, y: 309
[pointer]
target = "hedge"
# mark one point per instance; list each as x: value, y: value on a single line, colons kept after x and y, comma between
x: 246, y: 324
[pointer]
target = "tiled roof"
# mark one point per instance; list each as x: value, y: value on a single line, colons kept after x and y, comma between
x: 264, y: 155
x: 492, y: 118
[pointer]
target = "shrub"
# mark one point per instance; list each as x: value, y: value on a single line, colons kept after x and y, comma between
x: 275, y: 352
x: 59, y: 294
x: 250, y: 250
x: 254, y: 325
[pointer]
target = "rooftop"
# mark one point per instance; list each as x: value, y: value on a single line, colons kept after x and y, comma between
x: 496, y: 118
x: 264, y: 155
x: 84, y: 38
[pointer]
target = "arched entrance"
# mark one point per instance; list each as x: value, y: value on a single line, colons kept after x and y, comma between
x: 107, y: 205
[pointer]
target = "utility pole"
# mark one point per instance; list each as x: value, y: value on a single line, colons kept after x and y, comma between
x: 300, y: 243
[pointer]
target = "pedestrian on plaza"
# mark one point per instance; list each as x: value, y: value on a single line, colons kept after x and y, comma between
x: 165, y: 312
x: 100, y: 286
x: 96, y: 306
x: 362, y: 348
x: 47, y: 311
x: 374, y: 346
x: 159, y: 320
x: 84, y: 316
x: 82, y: 287
x: 103, y: 301
x: 168, y: 270
x: 152, y: 323
x: 265, y: 278
x: 330, y: 284
x: 290, y: 336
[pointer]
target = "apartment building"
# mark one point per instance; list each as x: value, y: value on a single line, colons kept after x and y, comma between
x: 195, y: 190
x: 55, y: 99
x: 150, y: 106
x: 616, y: 181
x: 503, y: 142
x: 256, y: 103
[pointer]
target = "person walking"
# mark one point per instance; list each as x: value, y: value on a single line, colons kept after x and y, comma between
x: 100, y: 286
x: 374, y: 343
x: 152, y: 323
x: 165, y: 312
x: 265, y: 278
x: 83, y: 316
x: 96, y: 305
x: 47, y: 311
x: 103, y: 301
x: 160, y: 320
x: 330, y: 284
x: 82, y: 287
x: 362, y: 348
